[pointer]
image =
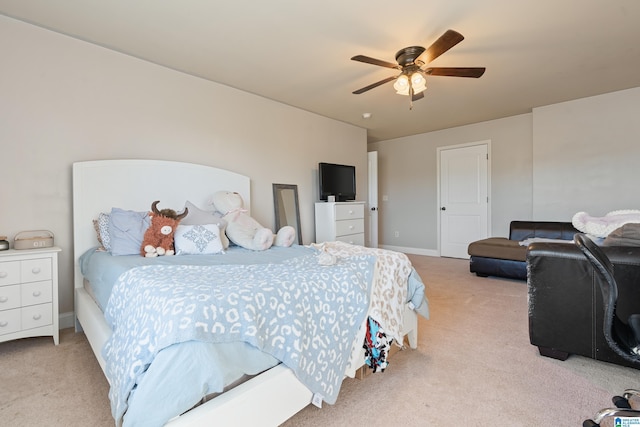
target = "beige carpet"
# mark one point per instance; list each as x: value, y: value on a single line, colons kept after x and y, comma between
x: 474, y: 367
x: 46, y: 385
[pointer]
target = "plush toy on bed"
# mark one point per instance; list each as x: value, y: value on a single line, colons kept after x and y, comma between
x: 158, y: 239
x: 245, y: 231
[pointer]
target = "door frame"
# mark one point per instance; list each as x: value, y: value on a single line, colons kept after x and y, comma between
x: 438, y: 184
x: 372, y: 202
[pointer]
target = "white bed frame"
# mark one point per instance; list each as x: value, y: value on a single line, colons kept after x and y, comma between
x: 267, y: 399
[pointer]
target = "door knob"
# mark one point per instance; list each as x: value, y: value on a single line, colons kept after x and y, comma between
x: 443, y: 208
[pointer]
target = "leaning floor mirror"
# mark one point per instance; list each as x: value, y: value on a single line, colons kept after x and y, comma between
x: 285, y: 201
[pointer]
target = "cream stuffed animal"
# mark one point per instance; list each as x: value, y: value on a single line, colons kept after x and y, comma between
x: 245, y: 231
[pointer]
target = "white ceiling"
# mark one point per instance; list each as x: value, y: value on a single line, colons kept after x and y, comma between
x: 298, y: 52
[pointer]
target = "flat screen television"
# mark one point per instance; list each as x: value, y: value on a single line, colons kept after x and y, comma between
x: 337, y: 180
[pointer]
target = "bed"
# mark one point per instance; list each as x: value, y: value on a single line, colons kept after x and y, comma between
x: 271, y: 394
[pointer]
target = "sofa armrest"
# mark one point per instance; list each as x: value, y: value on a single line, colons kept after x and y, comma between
x: 565, y: 301
x: 522, y: 230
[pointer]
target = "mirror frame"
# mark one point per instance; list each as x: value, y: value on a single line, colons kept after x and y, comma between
x: 276, y: 190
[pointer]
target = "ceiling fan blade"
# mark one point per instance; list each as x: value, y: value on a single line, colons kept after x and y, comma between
x: 474, y: 72
x: 371, y: 86
x: 446, y: 41
x: 417, y: 96
x: 368, y: 60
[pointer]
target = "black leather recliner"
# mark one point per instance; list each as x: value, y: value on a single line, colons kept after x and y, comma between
x: 623, y: 338
x: 566, y: 312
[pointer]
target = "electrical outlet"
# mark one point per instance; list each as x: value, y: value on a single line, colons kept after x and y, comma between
x: 396, y: 233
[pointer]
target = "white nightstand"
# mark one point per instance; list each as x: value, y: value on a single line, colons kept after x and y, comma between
x: 343, y: 221
x: 29, y: 293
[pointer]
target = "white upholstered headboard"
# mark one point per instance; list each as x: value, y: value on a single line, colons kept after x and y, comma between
x: 101, y: 185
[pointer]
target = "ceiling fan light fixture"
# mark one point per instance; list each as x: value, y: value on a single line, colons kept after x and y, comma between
x: 402, y: 85
x: 417, y: 79
x: 418, y: 82
x: 414, y: 84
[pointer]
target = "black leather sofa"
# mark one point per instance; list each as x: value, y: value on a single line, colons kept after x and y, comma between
x: 502, y: 257
x: 565, y: 302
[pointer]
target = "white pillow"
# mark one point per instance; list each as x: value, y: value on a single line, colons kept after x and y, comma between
x: 197, y: 216
x: 197, y: 239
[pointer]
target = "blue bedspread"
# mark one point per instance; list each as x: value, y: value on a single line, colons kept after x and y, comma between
x: 102, y: 269
x: 302, y: 313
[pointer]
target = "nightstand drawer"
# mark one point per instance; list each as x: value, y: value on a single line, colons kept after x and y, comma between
x: 354, y: 239
x: 36, y: 293
x: 33, y: 270
x: 36, y: 316
x: 349, y: 211
x: 343, y: 221
x: 9, y: 272
x: 9, y: 321
x: 9, y: 297
x: 351, y: 226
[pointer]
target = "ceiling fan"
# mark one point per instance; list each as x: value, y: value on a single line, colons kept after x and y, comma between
x: 411, y: 62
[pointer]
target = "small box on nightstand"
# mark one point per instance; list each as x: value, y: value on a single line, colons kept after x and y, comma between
x: 33, y: 239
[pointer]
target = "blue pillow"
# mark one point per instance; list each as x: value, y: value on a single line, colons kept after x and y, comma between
x: 126, y: 231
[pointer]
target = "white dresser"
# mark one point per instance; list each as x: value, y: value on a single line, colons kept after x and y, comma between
x: 343, y: 221
x: 29, y: 293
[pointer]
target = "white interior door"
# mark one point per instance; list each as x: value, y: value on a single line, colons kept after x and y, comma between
x: 464, y: 204
x: 372, y: 237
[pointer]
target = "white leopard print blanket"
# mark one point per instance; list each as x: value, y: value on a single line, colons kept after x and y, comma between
x: 389, y: 290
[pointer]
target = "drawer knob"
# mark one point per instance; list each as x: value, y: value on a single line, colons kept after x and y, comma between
x: 351, y: 227
x: 37, y: 293
x: 3, y: 323
x: 350, y: 212
x: 36, y: 317
x: 35, y: 270
x: 3, y: 274
x: 4, y: 299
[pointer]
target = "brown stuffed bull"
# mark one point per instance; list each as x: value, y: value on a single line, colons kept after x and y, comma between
x: 158, y: 239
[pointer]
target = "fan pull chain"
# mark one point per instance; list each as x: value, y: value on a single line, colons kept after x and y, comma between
x: 410, y: 96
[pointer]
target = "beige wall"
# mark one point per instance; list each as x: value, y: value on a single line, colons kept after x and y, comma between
x: 592, y: 147
x: 407, y: 175
x: 580, y: 155
x: 64, y: 100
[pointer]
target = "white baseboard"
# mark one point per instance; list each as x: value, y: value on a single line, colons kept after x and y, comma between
x: 66, y: 320
x: 414, y: 251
